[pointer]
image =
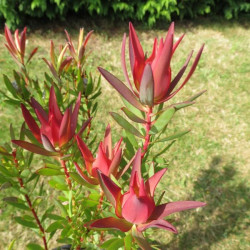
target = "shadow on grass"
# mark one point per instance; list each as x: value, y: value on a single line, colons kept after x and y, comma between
x: 225, y: 213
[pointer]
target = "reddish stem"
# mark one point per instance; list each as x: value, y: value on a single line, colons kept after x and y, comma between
x: 88, y: 113
x: 147, y: 136
x: 20, y: 180
x: 99, y: 207
x: 66, y: 174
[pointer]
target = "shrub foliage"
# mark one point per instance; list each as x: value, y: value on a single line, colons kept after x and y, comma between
x: 15, y: 12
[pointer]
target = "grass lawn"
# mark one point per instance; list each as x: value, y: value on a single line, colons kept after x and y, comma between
x: 209, y: 164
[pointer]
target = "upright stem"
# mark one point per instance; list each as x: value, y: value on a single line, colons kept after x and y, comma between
x: 20, y: 180
x: 88, y: 113
x: 66, y: 174
x: 147, y: 136
x: 99, y: 206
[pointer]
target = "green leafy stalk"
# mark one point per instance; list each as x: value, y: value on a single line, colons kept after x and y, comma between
x: 20, y: 180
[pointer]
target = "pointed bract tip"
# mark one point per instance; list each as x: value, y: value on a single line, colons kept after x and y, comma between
x: 171, y: 26
x: 203, y: 204
x: 100, y: 69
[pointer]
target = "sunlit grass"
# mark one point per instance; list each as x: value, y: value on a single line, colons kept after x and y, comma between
x: 209, y: 164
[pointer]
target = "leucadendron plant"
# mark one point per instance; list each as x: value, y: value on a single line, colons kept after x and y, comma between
x: 102, y: 193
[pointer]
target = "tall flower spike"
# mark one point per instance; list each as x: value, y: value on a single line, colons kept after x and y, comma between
x: 136, y: 208
x: 56, y: 129
x: 152, y: 76
x: 107, y: 159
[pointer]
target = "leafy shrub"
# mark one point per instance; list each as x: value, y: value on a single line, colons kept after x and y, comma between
x: 16, y: 11
x: 227, y: 8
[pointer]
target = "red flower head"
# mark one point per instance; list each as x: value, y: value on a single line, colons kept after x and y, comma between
x: 152, y: 75
x: 55, y: 130
x: 136, y: 208
x: 107, y: 159
x: 16, y: 46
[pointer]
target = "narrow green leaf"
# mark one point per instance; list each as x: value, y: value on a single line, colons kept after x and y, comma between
x: 54, y: 226
x: 151, y: 170
x: 11, y: 245
x: 5, y: 185
x: 94, y: 109
x: 95, y: 95
x: 49, y: 172
x: 33, y: 246
x: 37, y: 201
x: 164, y: 150
x: 89, y: 88
x: 12, y: 133
x: 3, y: 151
x: 15, y: 202
x: 3, y: 179
x: 58, y: 94
x: 51, y: 165
x: 129, y: 150
x: 116, y: 244
x: 56, y: 217
x: 32, y: 177
x: 28, y: 217
x: 160, y: 198
x: 58, y: 185
x: 7, y: 172
x: 174, y: 136
x: 139, y: 238
x: 70, y: 203
x: 128, y: 241
x: 181, y: 105
x: 10, y: 86
x: 31, y: 137
x: 108, y: 242
x: 132, y: 116
x: 192, y: 98
x: 136, y: 111
x: 89, y: 203
x: 112, y: 177
x: 162, y: 121
x: 48, y: 211
x: 25, y: 92
x: 66, y: 231
x: 25, y: 223
x: 65, y: 240
x: 76, y: 177
x: 12, y: 102
x: 29, y: 160
x: 25, y: 173
x: 126, y: 125
x: 61, y: 207
x: 132, y: 139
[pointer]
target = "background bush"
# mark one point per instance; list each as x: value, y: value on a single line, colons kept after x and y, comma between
x: 15, y: 12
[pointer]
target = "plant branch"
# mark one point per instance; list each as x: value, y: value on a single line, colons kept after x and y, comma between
x: 66, y: 172
x: 20, y: 180
x: 89, y: 115
x: 147, y: 136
